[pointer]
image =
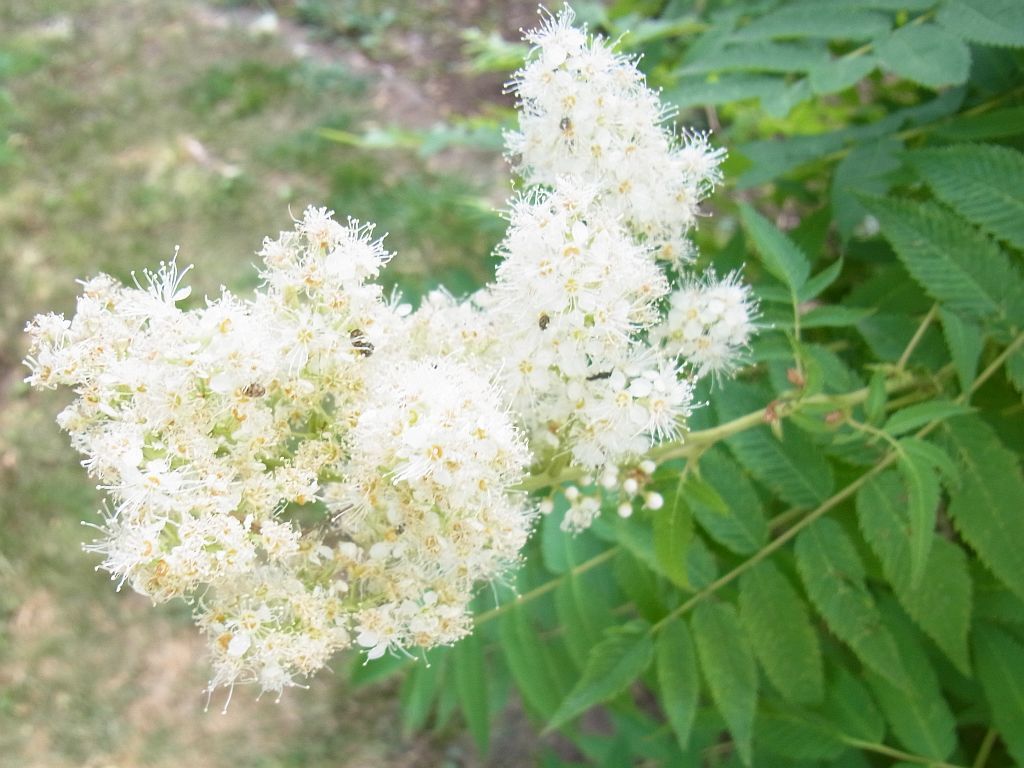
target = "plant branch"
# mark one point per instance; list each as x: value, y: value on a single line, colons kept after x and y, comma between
x: 833, y: 501
x: 993, y: 367
x: 777, y: 543
x: 985, y: 749
x: 547, y: 586
x: 896, y: 754
x: 916, y: 338
x: 695, y: 442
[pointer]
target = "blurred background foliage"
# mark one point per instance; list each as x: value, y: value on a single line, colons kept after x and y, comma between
x: 854, y: 126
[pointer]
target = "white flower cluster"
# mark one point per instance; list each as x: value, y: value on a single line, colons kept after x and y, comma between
x: 281, y: 463
x: 709, y: 321
x: 317, y: 467
x: 573, y: 324
x: 586, y: 112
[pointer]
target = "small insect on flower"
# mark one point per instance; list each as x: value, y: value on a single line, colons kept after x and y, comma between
x: 544, y: 321
x: 360, y: 343
x: 254, y: 390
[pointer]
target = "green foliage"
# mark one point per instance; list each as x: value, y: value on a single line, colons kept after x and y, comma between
x: 835, y: 577
x: 1000, y: 660
x: 926, y: 54
x: 779, y: 625
x: 940, y: 601
x: 781, y: 257
x: 986, y: 507
x: 984, y: 184
x: 678, y: 678
x: 919, y: 715
x: 471, y: 685
x: 990, y: 22
x: 792, y: 467
x: 673, y: 529
x: 615, y: 662
x: 728, y: 665
x: 958, y: 267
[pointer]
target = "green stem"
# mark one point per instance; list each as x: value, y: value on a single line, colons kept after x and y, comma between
x: 775, y: 544
x: 985, y: 749
x: 695, y: 442
x: 994, y: 366
x: 547, y: 586
x: 896, y: 754
x: 921, y: 130
x: 916, y: 338
x: 874, y: 432
x: 828, y: 504
x: 706, y: 437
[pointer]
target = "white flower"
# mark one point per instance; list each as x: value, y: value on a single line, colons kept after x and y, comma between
x: 708, y: 323
x: 316, y: 466
x: 586, y: 112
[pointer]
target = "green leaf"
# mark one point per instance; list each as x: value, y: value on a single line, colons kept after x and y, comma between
x: 922, y: 504
x: 851, y: 708
x: 700, y: 491
x: 419, y: 689
x: 781, y: 634
x: 673, y: 530
x: 955, y: 265
x: 997, y: 124
x: 1000, y: 662
x: 723, y: 89
x: 996, y: 603
x: 986, y: 508
x: 941, y: 601
x: 640, y: 584
x: 926, y: 54
x: 933, y: 456
x: 619, y: 659
x: 834, y: 317
x: 780, y: 255
x: 790, y: 93
x: 736, y: 520
x: 983, y: 183
x: 834, y: 577
x: 841, y: 73
x: 966, y: 342
x: 471, y: 685
x: 794, y: 468
x: 729, y: 670
x: 540, y: 686
x: 561, y: 550
x: 880, y: 5
x: 583, y: 613
x: 866, y: 169
x: 633, y: 535
x: 1015, y: 370
x: 919, y: 715
x: 990, y: 22
x: 678, y: 679
x: 841, y: 22
x: 797, y: 735
x: 760, y: 56
x: 874, y: 406
x: 815, y: 285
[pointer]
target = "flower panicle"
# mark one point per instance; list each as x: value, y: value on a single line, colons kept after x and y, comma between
x: 317, y: 467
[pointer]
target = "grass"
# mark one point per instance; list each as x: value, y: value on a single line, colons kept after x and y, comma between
x: 127, y: 128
